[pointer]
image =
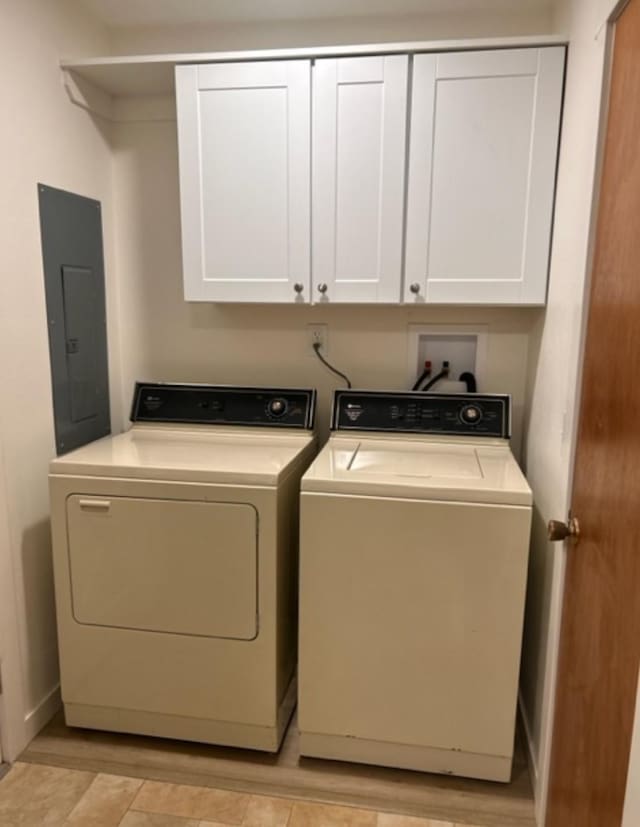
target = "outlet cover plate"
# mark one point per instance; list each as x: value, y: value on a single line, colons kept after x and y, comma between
x: 318, y: 333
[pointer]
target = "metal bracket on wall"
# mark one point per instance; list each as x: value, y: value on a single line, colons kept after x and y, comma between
x: 87, y: 96
x: 131, y: 109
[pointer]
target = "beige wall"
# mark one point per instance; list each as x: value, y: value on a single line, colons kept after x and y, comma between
x: 164, y: 338
x: 291, y: 33
x: 554, y: 369
x: 43, y: 139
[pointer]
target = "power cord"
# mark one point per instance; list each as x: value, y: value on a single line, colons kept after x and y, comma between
x: 316, y: 348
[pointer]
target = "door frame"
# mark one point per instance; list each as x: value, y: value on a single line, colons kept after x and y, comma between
x: 617, y: 7
x: 610, y: 12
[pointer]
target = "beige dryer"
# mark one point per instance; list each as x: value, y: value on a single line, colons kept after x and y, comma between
x: 175, y: 559
x: 415, y: 522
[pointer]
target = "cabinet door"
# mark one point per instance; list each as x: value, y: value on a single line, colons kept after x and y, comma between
x: 244, y: 148
x: 483, y: 150
x: 359, y: 127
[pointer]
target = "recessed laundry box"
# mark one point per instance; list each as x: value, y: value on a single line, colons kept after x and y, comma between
x: 415, y: 522
x: 175, y: 558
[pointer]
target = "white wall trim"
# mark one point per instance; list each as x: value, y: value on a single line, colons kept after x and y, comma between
x: 11, y: 664
x: 42, y: 713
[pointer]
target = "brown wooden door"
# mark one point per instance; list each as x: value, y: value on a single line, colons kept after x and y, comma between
x: 600, y: 638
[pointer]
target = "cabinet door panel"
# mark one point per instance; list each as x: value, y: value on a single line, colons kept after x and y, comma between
x: 483, y: 151
x: 359, y: 127
x: 244, y: 137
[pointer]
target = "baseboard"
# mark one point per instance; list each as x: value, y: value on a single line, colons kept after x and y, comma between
x: 42, y: 713
x: 532, y: 758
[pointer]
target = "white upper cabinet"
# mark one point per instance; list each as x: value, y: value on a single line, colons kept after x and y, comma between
x: 481, y: 176
x: 244, y: 148
x: 296, y: 184
x: 359, y: 129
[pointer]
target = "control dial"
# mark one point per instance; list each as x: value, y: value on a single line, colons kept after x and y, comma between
x: 277, y: 407
x: 471, y: 414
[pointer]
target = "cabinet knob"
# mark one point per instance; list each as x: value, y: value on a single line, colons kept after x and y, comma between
x: 415, y: 287
x: 322, y: 288
x: 298, y: 287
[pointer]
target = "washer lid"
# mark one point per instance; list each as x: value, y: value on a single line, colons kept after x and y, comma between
x: 426, y: 469
x: 203, y: 454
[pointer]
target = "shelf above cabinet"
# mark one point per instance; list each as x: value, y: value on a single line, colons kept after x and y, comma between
x: 141, y: 75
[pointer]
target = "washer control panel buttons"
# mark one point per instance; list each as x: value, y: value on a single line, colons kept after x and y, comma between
x: 463, y: 414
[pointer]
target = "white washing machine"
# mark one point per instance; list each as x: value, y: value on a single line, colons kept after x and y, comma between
x: 175, y: 557
x: 415, y: 522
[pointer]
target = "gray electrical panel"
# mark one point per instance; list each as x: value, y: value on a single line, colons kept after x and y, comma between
x: 71, y: 230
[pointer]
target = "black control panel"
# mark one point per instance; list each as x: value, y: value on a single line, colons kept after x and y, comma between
x: 465, y: 414
x: 224, y: 405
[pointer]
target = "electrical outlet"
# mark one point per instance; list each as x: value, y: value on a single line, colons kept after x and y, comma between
x: 318, y: 334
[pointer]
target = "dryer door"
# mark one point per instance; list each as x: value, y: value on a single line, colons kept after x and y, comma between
x: 173, y: 566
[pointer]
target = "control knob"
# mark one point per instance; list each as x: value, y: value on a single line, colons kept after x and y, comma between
x: 277, y: 407
x: 471, y: 414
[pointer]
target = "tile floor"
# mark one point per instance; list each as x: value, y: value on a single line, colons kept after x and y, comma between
x: 448, y: 799
x: 34, y: 795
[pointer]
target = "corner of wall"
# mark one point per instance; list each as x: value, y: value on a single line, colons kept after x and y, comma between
x: 54, y: 142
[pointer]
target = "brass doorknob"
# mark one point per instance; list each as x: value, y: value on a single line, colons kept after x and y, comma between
x: 557, y: 530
